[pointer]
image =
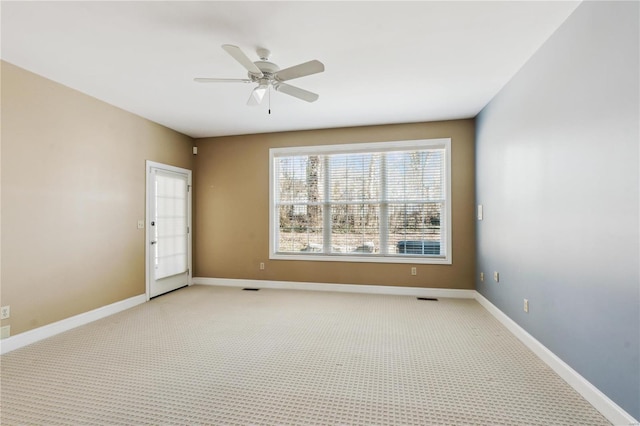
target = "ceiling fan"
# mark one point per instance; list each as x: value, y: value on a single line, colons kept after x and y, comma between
x: 267, y: 74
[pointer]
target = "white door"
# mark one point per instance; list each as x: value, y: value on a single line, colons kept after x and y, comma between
x: 168, y: 228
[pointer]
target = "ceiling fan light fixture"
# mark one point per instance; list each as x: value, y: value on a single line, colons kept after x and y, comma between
x: 257, y: 94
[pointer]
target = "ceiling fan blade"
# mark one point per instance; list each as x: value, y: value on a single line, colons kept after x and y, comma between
x: 296, y: 71
x: 257, y: 94
x: 222, y: 80
x: 244, y: 60
x: 296, y: 92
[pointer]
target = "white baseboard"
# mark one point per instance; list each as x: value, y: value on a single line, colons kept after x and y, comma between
x: 609, y: 409
x: 344, y: 288
x: 614, y: 413
x: 49, y: 330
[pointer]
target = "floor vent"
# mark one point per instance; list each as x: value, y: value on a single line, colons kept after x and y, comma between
x: 433, y: 299
x: 250, y: 289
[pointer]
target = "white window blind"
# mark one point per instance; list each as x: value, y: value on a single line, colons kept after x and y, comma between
x: 380, y: 201
x: 170, y: 224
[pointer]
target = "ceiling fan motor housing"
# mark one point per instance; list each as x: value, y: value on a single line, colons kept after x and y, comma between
x: 267, y: 68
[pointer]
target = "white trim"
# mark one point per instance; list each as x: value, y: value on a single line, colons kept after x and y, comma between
x: 440, y: 143
x: 28, y: 337
x: 344, y: 288
x: 147, y: 242
x: 333, y: 257
x: 609, y: 409
x: 355, y: 148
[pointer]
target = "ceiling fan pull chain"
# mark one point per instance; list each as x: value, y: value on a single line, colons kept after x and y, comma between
x: 269, y: 99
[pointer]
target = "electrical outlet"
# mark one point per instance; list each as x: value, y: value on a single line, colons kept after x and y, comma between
x: 414, y: 270
x: 496, y: 277
x: 482, y: 276
x: 141, y: 224
x: 526, y: 305
x: 262, y: 266
x: 5, y: 332
x: 5, y: 312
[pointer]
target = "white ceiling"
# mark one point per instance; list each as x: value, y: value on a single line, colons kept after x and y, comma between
x: 386, y: 62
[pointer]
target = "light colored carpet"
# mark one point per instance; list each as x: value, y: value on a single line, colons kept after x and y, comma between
x: 215, y: 355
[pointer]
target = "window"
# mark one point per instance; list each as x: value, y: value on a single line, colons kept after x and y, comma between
x: 373, y: 202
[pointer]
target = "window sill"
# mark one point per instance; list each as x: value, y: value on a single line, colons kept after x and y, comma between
x: 321, y: 257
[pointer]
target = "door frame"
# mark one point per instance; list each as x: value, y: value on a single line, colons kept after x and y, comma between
x: 148, y: 237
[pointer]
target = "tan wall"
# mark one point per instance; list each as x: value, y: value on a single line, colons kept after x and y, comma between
x: 73, y: 189
x: 232, y: 204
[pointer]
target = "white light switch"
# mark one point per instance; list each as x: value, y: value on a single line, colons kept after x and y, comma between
x: 141, y: 224
x: 479, y: 211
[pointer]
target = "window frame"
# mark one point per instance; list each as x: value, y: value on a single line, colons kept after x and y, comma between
x: 355, y: 148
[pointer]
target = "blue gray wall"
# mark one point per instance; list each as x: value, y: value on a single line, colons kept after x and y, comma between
x: 557, y: 173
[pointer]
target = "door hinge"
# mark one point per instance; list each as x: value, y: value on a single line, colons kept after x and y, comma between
x: 188, y: 188
x: 188, y: 230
